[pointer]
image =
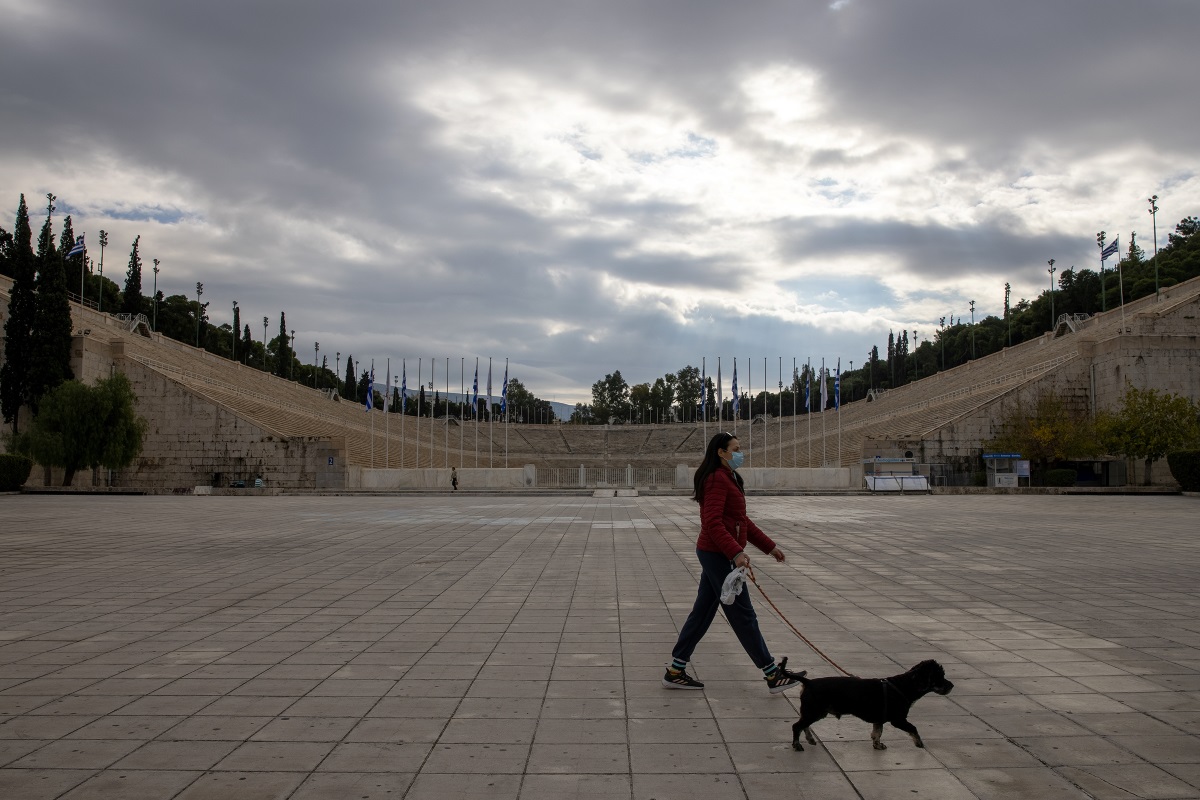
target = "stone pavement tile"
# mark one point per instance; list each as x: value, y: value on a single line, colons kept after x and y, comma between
x: 759, y: 705
x: 1127, y: 724
x: 676, y: 757
x: 409, y: 687
x: 463, y: 786
x: 245, y: 706
x: 439, y: 707
x: 243, y: 786
x: 560, y: 758
x: 778, y: 756
x: 477, y: 758
x: 1073, y: 704
x: 488, y: 731
x: 582, y: 708
x: 1127, y: 781
x: 305, y: 729
x: 168, y: 706
x: 577, y: 787
x: 601, y: 689
x: 1018, y: 784
x: 336, y: 687
x: 34, y: 727
x: 357, y: 785
x: 192, y: 754
x: 1079, y: 669
x: 225, y: 728
x: 132, y: 785
x: 704, y: 786
x: 125, y: 727
x: 1156, y: 703
x: 1076, y: 751
x: 40, y: 784
x: 376, y: 757
x: 796, y: 786
x: 267, y: 687
x: 299, y: 671
x: 57, y: 687
x: 275, y: 757
x: 668, y: 704
x: 700, y: 731
x: 1117, y: 684
x: 209, y: 686
x: 930, y: 784
x: 1046, y: 723
x: 581, y: 731
x: 11, y: 705
x: 1162, y: 750
x: 861, y: 756
x: 330, y: 707
x: 1189, y: 773
x: 974, y: 753
x: 524, y: 688
x: 77, y: 704
x: 77, y: 754
x: 362, y: 669
x: 12, y: 749
x: 395, y: 729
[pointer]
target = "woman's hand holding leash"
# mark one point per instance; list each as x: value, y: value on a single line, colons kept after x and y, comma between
x: 778, y: 555
x: 741, y: 560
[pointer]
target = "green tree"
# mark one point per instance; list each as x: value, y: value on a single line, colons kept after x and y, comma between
x: 74, y: 268
x: 79, y: 426
x: 7, y: 243
x: 610, y: 397
x: 687, y: 392
x: 347, y: 388
x: 1149, y: 424
x: 283, y: 350
x: 18, y: 328
x: 51, y: 340
x: 132, y: 301
x: 1050, y: 430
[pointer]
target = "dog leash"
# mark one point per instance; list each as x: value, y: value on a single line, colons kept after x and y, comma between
x: 795, y: 630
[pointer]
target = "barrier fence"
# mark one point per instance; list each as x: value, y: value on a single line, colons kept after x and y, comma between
x: 627, y: 477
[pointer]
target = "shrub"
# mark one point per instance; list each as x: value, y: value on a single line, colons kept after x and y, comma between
x: 1185, y: 467
x: 14, y: 471
x: 1060, y: 477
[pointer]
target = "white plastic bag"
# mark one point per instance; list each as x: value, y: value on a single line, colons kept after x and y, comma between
x: 734, y: 583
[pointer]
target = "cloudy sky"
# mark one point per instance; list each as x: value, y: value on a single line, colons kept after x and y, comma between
x: 583, y: 186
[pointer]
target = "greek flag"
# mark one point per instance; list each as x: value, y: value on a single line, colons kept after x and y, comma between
x: 78, y: 248
x: 475, y: 391
x: 371, y: 390
x: 736, y: 403
x: 808, y: 389
x: 1111, y: 250
x: 403, y: 388
x: 837, y: 385
x: 703, y: 393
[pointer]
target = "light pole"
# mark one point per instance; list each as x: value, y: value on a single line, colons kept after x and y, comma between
x: 264, y: 344
x: 1007, y: 311
x: 236, y: 324
x: 337, y: 372
x: 942, y: 339
x: 972, y: 329
x: 1051, y: 271
x: 291, y: 356
x: 199, y: 291
x: 103, y: 244
x: 316, y: 363
x: 1154, y: 216
x: 1100, y: 244
x: 154, y: 324
x: 916, y: 350
x: 781, y: 392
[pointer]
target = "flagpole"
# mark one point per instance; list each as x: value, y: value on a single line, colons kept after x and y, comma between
x: 808, y: 408
x: 504, y: 394
x: 387, y: 438
x: 750, y: 424
x: 781, y: 412
x: 446, y: 438
x: 837, y: 386
x: 703, y: 400
x: 403, y: 408
x: 489, y: 414
x: 370, y: 400
x: 462, y: 395
x: 420, y: 391
x: 795, y: 392
x: 432, y: 406
x: 475, y: 410
x: 1121, y: 283
x: 824, y: 398
x: 734, y: 404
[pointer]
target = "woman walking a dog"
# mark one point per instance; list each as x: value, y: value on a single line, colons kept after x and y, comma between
x: 724, y: 532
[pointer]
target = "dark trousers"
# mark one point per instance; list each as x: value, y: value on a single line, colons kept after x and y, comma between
x: 741, y: 616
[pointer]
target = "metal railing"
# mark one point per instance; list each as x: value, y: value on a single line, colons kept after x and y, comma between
x: 626, y: 477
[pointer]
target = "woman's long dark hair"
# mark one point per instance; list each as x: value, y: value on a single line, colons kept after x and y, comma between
x: 711, y: 463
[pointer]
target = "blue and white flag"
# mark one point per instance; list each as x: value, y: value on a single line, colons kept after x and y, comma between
x: 475, y: 391
x: 837, y: 385
x: 1111, y: 250
x: 720, y: 392
x: 371, y: 389
x: 703, y: 394
x: 403, y: 387
x: 504, y: 391
x: 808, y: 389
x: 387, y: 392
x: 736, y: 402
x: 78, y: 248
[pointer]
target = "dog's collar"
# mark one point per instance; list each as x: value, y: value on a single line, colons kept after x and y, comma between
x: 888, y: 682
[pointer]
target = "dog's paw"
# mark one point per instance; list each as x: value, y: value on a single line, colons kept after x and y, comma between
x: 919, y: 744
x: 879, y: 745
x: 797, y: 746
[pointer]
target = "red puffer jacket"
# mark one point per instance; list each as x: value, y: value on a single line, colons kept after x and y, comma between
x: 724, y: 526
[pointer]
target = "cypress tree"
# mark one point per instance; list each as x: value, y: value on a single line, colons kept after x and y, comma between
x: 66, y: 241
x: 132, y: 300
x: 18, y: 329
x: 284, y: 351
x: 246, y: 345
x: 348, y: 383
x: 50, y: 364
x: 6, y: 248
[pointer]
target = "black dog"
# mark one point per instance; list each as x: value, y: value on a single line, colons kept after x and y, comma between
x: 874, y: 700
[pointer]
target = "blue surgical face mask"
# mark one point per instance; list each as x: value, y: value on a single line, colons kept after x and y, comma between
x: 735, y: 460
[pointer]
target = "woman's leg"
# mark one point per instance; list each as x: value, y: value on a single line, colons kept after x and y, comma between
x: 740, y: 614
x: 701, y: 616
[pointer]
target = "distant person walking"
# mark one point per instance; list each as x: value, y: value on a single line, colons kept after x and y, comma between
x: 724, y: 532
x: 454, y: 478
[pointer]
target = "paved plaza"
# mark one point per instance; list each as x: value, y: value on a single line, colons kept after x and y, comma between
x: 511, y: 647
